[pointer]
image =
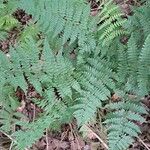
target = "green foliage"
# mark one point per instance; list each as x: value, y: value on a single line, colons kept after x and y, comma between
x: 137, y: 71
x: 110, y: 22
x: 48, y: 73
x: 31, y: 135
x: 144, y: 72
x: 75, y: 62
x: 7, y: 21
x: 121, y: 125
x: 95, y: 89
x: 69, y: 20
x: 8, y: 114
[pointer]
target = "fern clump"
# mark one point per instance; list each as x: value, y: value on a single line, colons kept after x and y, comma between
x: 23, y: 67
x: 74, y: 62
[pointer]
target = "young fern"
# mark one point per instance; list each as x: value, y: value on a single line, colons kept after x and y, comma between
x: 110, y: 23
x: 7, y: 21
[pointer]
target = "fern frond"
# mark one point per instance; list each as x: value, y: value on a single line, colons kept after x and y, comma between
x: 26, y: 138
x: 95, y: 83
x: 8, y: 114
x: 68, y: 19
x: 110, y: 23
x: 7, y: 21
x: 144, y: 68
x: 121, y: 123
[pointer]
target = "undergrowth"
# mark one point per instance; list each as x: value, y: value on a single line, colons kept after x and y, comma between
x: 75, y: 62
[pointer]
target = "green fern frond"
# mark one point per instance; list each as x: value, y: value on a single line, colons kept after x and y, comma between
x: 144, y: 68
x: 121, y: 127
x: 7, y: 21
x: 96, y: 82
x: 68, y: 19
x: 26, y: 138
x: 135, y: 71
x: 49, y: 71
x: 29, y: 31
x: 110, y: 23
x: 140, y: 21
x: 8, y: 114
x: 75, y: 87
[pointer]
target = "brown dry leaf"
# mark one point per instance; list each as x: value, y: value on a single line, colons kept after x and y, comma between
x: 40, y: 145
x: 4, y: 45
x: 87, y: 132
x: 126, y: 9
x: 76, y: 141
x: 81, y: 143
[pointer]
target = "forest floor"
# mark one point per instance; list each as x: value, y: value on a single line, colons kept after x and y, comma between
x: 68, y: 138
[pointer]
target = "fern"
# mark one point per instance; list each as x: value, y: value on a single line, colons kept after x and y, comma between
x: 139, y: 22
x: 7, y: 21
x: 68, y: 19
x: 49, y: 71
x: 110, y: 23
x: 8, y: 114
x: 75, y: 86
x: 144, y: 69
x: 134, y: 72
x: 96, y: 87
x: 26, y: 139
x: 121, y: 123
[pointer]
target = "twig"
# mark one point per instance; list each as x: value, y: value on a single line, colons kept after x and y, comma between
x: 104, y: 144
x: 140, y: 140
x: 33, y: 112
x: 11, y: 145
x: 47, y: 142
x: 7, y: 135
x: 75, y: 136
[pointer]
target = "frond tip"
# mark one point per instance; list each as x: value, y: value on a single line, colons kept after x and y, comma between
x: 110, y: 23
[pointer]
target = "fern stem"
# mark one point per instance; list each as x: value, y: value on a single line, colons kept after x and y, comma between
x: 104, y: 144
x: 141, y: 141
x: 11, y: 145
x: 47, y: 141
